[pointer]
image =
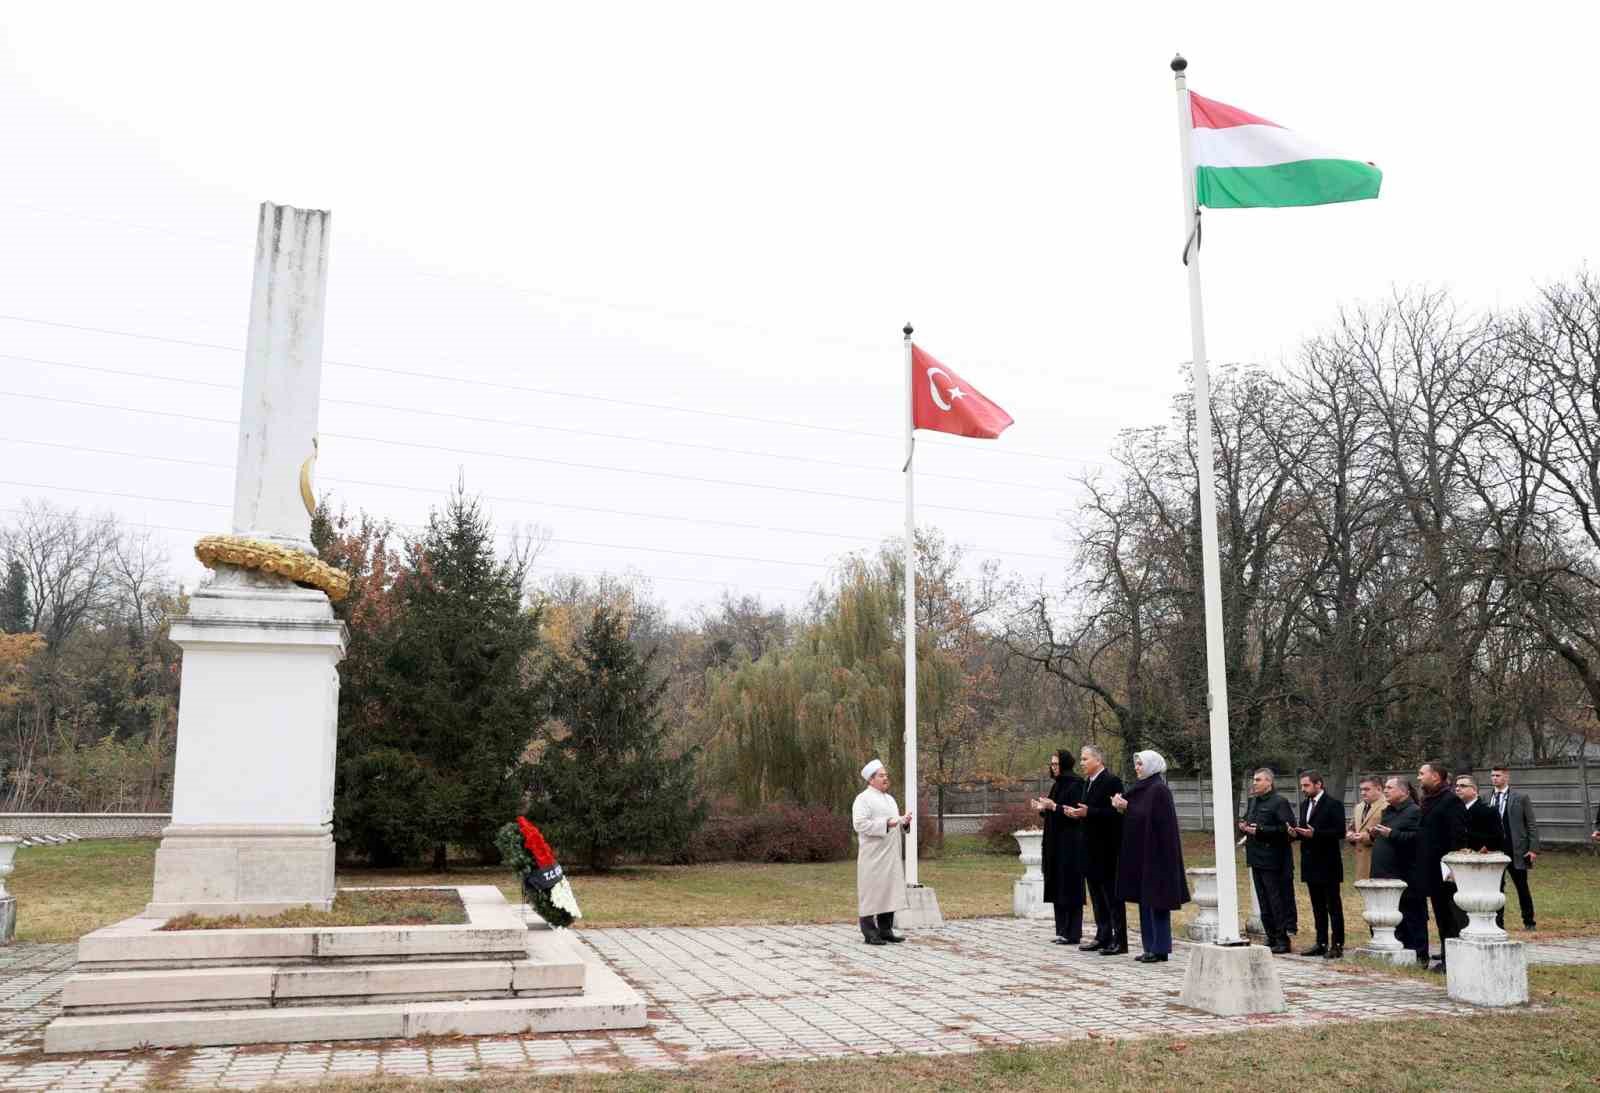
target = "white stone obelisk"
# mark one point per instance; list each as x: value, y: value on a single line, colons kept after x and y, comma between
x: 252, y: 806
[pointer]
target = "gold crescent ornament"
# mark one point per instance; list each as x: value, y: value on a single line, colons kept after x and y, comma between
x: 308, y: 496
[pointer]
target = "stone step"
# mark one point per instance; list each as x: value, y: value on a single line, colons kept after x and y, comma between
x: 607, y: 1002
x: 299, y: 985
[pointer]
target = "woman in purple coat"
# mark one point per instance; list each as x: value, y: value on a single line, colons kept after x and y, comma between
x: 1150, y: 870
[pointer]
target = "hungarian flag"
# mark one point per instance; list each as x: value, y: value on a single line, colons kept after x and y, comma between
x: 1245, y: 162
x: 944, y: 402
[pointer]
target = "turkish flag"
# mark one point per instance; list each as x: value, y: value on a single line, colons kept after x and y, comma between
x: 944, y: 402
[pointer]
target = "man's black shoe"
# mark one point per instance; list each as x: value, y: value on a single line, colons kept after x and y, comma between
x: 1438, y: 968
x: 874, y: 939
x: 1091, y: 946
x: 1152, y: 958
x: 1280, y: 946
x: 1059, y: 941
x: 1335, y: 952
x: 1319, y: 949
x: 1118, y: 949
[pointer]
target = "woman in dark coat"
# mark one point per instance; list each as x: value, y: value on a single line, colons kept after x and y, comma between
x: 1064, y: 855
x: 1150, y: 872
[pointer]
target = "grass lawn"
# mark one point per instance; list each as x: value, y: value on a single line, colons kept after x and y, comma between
x: 65, y: 891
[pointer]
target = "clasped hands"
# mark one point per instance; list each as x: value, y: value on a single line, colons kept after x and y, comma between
x: 1045, y: 804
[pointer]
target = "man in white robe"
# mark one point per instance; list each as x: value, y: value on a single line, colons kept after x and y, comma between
x: 880, y: 870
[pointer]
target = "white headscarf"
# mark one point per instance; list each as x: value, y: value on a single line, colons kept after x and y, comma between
x: 1153, y: 763
x: 872, y: 768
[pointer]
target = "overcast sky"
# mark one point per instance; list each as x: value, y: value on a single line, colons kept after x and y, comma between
x: 729, y: 210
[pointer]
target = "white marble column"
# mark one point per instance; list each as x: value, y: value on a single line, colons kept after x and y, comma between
x: 252, y: 803
x: 282, y: 375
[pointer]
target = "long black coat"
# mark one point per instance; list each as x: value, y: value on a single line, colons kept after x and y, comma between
x: 1102, y: 827
x: 1268, y: 849
x: 1064, y: 853
x: 1150, y: 871
x: 1442, y: 830
x: 1394, y: 855
x: 1321, y: 856
x: 1483, y: 826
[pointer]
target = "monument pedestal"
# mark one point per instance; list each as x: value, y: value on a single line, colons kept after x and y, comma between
x: 251, y: 830
x: 1483, y: 966
x: 1027, y: 893
x: 1203, y: 926
x: 1232, y: 981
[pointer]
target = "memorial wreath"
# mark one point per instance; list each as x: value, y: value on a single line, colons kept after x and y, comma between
x: 546, y: 886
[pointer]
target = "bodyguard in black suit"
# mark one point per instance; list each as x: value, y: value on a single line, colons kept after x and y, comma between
x: 1321, y: 836
x: 1265, y: 827
x: 1102, y: 826
x: 1484, y: 831
x: 1443, y: 829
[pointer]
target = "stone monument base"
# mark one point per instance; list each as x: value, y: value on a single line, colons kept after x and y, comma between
x: 922, y: 909
x: 136, y: 985
x: 240, y: 869
x: 1232, y: 980
x: 1487, y: 973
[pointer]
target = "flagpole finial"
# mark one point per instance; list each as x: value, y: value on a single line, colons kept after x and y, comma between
x: 1178, y: 63
x: 907, y: 330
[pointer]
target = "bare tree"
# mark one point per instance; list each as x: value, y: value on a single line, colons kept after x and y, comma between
x: 69, y: 561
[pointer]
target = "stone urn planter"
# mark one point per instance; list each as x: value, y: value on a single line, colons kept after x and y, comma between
x: 1381, y: 909
x: 1203, y: 884
x: 8, y: 851
x: 1027, y: 894
x: 1478, y: 891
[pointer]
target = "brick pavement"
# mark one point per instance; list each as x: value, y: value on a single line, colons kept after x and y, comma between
x: 770, y: 992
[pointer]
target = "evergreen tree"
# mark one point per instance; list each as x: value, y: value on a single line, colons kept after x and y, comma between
x: 604, y: 785
x: 452, y: 710
x: 16, y: 613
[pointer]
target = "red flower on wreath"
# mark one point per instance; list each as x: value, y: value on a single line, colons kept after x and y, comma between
x: 543, y: 856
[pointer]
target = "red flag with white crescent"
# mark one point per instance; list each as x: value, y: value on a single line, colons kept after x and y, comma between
x: 944, y: 402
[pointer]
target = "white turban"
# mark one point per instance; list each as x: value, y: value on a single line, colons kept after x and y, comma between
x: 870, y: 769
x: 1153, y: 763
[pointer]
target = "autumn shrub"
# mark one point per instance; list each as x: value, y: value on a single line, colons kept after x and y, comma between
x: 775, y: 833
x: 997, y: 829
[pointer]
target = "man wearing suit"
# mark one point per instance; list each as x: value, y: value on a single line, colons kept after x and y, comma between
x: 1483, y: 823
x: 1521, y: 834
x: 1394, y: 855
x: 1103, y: 841
x: 1443, y: 829
x: 1321, y: 835
x: 1369, y: 814
x: 1265, y: 827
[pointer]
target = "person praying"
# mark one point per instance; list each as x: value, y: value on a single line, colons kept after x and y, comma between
x: 880, y: 869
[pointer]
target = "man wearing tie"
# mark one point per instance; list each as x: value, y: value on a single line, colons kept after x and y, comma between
x: 1103, y: 838
x: 1320, y: 832
x: 1483, y: 826
x: 1369, y: 814
x: 1521, y: 833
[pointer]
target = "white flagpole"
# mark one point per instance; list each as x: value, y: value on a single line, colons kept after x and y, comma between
x: 911, y: 628
x: 1223, y: 809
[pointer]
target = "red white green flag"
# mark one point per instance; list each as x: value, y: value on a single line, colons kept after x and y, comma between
x: 1243, y: 161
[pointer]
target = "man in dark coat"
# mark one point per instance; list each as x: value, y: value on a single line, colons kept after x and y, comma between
x: 1102, y: 830
x: 1443, y: 830
x: 1394, y: 856
x: 1265, y: 828
x: 1062, y: 852
x: 1321, y: 837
x: 1520, y: 829
x: 1483, y: 823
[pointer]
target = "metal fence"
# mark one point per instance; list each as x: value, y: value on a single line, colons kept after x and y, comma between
x: 1556, y: 793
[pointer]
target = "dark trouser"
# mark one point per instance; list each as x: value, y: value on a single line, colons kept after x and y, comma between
x: 1069, y: 921
x: 1110, y: 914
x: 1445, y: 915
x: 1519, y: 877
x: 881, y: 925
x: 1155, y: 929
x: 1325, y: 906
x: 1413, y: 929
x: 1275, y: 893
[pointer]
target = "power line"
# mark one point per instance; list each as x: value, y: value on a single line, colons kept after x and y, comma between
x: 574, y: 464
x: 500, y: 499
x: 552, y: 392
x: 543, y: 427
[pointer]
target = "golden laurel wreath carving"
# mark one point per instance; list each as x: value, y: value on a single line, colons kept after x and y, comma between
x: 296, y: 565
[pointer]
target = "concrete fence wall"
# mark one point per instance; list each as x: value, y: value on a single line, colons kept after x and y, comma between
x: 1556, y: 794
x: 89, y: 825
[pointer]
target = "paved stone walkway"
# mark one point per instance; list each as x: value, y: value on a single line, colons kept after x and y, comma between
x: 778, y: 992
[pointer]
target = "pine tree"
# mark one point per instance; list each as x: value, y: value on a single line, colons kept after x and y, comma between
x: 604, y: 785
x: 16, y: 614
x: 455, y: 710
